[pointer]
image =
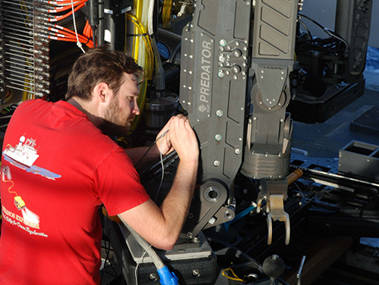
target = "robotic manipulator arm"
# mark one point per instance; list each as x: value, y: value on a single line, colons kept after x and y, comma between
x: 235, y: 66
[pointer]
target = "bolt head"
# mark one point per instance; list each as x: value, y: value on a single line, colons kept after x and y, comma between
x: 218, y: 137
x: 223, y: 42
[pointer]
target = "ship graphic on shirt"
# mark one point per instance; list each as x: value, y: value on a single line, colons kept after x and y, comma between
x: 24, y: 152
x: 24, y: 155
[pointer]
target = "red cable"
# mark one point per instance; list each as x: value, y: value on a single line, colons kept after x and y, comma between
x: 58, y: 18
x: 65, y: 8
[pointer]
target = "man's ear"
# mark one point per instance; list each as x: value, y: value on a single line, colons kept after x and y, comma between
x: 102, y: 92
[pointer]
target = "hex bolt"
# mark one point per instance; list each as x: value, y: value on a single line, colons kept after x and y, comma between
x: 212, y: 220
x: 219, y: 113
x: 218, y: 137
x: 223, y: 42
x: 236, y: 69
x: 196, y: 240
x: 196, y: 273
x: 153, y: 277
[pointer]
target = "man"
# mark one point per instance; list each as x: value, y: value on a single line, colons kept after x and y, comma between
x: 58, y: 168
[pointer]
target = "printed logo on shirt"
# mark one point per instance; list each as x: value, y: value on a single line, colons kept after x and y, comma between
x: 24, y: 155
x: 29, y: 221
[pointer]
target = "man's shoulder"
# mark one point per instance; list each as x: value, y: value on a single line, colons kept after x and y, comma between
x: 33, y: 102
x: 31, y: 105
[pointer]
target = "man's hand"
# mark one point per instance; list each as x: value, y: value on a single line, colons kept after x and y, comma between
x: 178, y: 134
x: 162, y: 140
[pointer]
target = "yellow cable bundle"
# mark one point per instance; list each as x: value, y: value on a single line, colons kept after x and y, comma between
x: 142, y: 51
x: 166, y: 12
x: 136, y: 40
x: 149, y: 63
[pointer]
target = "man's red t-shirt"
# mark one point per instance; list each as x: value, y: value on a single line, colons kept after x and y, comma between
x: 57, y: 169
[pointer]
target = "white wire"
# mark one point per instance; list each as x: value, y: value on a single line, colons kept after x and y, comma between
x: 150, y: 15
x: 162, y: 177
x: 136, y: 270
x: 78, y: 43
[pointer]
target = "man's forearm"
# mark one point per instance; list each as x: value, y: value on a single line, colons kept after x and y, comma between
x: 161, y: 226
x: 176, y: 205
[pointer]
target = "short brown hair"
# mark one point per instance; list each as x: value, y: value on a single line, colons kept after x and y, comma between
x: 99, y: 65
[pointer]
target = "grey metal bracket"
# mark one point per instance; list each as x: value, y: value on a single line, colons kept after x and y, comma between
x: 274, y: 192
x: 209, y: 210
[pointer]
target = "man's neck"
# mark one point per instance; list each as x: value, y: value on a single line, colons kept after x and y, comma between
x: 106, y: 127
x: 82, y: 106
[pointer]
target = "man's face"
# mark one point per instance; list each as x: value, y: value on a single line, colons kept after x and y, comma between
x: 123, y: 106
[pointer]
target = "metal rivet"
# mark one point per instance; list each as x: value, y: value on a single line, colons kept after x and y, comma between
x: 219, y: 113
x: 218, y: 137
x: 223, y: 42
x: 216, y: 163
x: 195, y: 273
x: 153, y: 277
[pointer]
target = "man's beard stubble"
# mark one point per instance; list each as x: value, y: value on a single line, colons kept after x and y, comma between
x: 110, y: 125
